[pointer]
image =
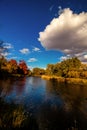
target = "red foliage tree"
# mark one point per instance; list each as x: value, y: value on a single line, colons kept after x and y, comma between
x: 23, y: 67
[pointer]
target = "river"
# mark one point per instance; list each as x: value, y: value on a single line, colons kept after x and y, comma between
x: 52, y: 105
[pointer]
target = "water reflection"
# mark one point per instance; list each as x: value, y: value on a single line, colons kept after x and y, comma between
x: 6, y: 86
x: 54, y: 106
x: 75, y: 102
x: 20, y: 85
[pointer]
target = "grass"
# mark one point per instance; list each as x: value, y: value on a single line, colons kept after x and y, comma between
x: 12, y: 117
x: 65, y: 80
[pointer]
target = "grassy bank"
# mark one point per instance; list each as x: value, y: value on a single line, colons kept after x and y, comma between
x: 65, y: 80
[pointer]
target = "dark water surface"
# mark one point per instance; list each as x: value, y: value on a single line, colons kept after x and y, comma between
x: 54, y: 106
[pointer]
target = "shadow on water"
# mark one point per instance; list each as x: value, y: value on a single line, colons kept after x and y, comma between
x: 38, y: 104
x: 75, y: 104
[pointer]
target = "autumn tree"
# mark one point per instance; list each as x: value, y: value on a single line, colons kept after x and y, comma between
x: 73, y: 74
x: 66, y: 68
x: 38, y: 71
x: 50, y: 69
x: 12, y: 66
x: 57, y: 69
x: 68, y: 65
x: 3, y: 62
x: 22, y: 67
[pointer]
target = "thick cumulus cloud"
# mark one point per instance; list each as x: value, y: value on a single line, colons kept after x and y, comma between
x: 67, y: 33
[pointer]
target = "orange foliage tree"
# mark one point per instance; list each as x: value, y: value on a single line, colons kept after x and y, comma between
x: 12, y: 66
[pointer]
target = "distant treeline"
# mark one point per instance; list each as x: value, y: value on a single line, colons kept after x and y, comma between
x: 70, y: 68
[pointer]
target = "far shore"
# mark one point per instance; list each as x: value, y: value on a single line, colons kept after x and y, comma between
x: 65, y: 80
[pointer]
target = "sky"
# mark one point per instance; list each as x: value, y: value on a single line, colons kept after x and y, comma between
x: 42, y: 32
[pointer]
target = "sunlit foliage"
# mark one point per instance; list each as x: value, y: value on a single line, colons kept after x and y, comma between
x: 38, y: 71
x: 70, y: 68
x: 12, y: 67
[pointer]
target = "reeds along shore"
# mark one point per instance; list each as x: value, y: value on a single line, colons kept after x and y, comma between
x: 65, y: 80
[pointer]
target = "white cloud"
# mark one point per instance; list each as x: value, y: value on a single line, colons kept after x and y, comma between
x: 4, y: 49
x: 8, y: 45
x: 30, y: 67
x: 32, y: 60
x: 5, y: 54
x: 36, y: 49
x: 64, y: 57
x: 25, y: 51
x: 67, y: 33
x: 85, y: 56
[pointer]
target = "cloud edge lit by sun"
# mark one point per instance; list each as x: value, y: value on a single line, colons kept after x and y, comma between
x: 67, y: 33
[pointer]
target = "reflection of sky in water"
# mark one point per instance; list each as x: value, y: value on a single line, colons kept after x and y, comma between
x: 32, y: 93
x: 46, y: 99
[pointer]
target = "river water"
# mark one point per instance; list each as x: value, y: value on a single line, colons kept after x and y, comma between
x: 54, y: 106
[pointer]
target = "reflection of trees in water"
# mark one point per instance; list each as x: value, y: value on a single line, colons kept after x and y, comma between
x: 52, y: 86
x: 7, y: 86
x: 51, y: 113
x: 20, y: 85
x: 75, y: 101
x: 35, y: 82
x: 51, y: 118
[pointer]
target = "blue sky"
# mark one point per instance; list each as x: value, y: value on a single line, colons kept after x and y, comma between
x: 28, y: 29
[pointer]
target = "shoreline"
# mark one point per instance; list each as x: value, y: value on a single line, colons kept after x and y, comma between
x: 66, y: 80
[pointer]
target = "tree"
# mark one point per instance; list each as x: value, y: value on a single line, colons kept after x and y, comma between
x: 12, y: 66
x: 67, y: 68
x: 3, y: 71
x: 72, y: 64
x: 3, y: 63
x: 50, y: 69
x: 57, y: 69
x: 38, y: 71
x: 22, y: 67
x: 83, y: 74
x: 73, y: 74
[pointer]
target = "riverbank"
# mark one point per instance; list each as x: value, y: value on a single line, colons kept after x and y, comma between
x: 65, y: 80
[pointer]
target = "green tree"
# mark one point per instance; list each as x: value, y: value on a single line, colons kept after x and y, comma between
x: 57, y: 69
x: 72, y: 64
x: 50, y: 69
x: 73, y: 74
x: 83, y: 74
x: 3, y: 71
x: 38, y: 71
